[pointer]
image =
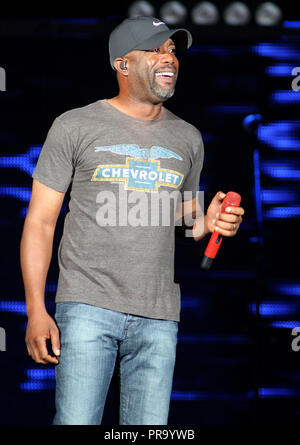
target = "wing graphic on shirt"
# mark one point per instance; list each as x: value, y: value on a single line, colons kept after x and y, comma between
x: 161, y: 152
x: 135, y: 151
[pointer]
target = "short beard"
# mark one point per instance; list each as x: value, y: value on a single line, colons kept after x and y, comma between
x: 160, y: 92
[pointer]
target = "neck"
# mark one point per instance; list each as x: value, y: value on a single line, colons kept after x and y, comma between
x: 135, y: 107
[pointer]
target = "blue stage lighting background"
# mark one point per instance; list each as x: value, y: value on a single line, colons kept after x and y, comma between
x: 235, y: 363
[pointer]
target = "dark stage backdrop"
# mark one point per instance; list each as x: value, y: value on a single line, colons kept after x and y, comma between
x: 236, y: 363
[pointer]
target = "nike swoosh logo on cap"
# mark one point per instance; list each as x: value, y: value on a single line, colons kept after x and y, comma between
x: 158, y: 23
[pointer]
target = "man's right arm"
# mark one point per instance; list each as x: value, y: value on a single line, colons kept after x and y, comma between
x: 35, y: 253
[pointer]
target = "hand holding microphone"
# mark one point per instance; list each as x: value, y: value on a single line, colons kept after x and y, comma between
x: 227, y: 225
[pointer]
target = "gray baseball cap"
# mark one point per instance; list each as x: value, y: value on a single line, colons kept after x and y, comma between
x: 144, y: 33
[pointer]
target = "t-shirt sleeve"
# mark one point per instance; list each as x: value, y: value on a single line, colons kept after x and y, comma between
x: 192, y: 179
x: 55, y: 165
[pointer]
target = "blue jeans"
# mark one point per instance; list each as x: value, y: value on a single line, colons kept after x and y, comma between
x: 90, y: 340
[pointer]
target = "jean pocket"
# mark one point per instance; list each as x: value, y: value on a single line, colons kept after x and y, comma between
x: 63, y: 308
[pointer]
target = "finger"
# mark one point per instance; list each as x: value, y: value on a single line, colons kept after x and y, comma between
x: 29, y: 350
x: 229, y: 218
x: 38, y: 360
x: 225, y: 232
x: 55, y: 343
x: 220, y: 195
x: 34, y: 355
x: 235, y: 210
x: 42, y: 354
x: 226, y: 225
x: 233, y: 219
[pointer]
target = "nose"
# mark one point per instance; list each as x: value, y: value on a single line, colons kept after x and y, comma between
x: 167, y: 57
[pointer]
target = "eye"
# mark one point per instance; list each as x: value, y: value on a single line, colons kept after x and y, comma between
x: 155, y: 50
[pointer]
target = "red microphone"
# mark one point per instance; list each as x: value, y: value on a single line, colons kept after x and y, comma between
x: 231, y: 199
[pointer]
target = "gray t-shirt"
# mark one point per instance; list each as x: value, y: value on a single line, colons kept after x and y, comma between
x: 104, y: 153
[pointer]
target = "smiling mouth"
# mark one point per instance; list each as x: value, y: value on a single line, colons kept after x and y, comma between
x: 165, y: 77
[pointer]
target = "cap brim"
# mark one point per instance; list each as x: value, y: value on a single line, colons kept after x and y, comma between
x: 182, y: 38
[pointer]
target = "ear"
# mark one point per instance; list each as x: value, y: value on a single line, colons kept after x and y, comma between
x: 118, y: 65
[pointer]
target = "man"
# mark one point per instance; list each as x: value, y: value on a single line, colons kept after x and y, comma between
x: 116, y: 292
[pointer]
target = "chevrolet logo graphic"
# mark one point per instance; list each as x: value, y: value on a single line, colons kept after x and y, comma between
x: 144, y: 175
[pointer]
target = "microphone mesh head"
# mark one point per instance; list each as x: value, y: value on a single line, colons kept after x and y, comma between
x: 232, y: 199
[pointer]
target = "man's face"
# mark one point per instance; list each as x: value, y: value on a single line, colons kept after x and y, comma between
x: 154, y: 72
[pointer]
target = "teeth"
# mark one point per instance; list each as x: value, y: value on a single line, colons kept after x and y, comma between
x: 165, y: 74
